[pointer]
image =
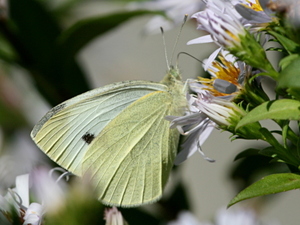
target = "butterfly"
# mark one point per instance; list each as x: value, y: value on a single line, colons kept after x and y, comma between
x: 118, y: 136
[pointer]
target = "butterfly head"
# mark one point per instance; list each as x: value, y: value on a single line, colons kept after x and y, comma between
x: 172, y: 77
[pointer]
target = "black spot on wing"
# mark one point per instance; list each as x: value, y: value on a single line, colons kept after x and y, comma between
x: 88, y: 138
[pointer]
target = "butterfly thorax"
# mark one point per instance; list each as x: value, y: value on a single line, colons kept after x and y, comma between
x: 174, y: 83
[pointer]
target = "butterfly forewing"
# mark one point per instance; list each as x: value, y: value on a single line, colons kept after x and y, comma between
x: 130, y: 160
x: 67, y: 130
x: 118, y: 136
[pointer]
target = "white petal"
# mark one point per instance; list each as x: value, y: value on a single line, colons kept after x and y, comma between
x: 33, y: 214
x: 185, y: 153
x: 22, y: 188
x: 206, y: 133
x: 211, y: 58
x: 4, y: 204
x: 47, y: 190
x: 201, y: 40
x: 193, y: 142
x: 186, y: 218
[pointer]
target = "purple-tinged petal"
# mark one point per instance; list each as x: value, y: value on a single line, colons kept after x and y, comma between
x: 201, y: 40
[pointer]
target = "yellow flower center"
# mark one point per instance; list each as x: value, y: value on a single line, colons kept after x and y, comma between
x: 226, y: 71
x: 255, y: 6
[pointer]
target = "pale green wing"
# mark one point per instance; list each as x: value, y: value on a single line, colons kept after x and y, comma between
x: 130, y: 160
x: 66, y: 131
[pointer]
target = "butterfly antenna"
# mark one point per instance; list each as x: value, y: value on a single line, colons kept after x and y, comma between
x: 185, y: 53
x: 177, y: 38
x: 165, y: 47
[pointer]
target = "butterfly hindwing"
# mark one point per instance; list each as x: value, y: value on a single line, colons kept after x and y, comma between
x: 67, y: 130
x: 118, y: 136
x: 131, y: 158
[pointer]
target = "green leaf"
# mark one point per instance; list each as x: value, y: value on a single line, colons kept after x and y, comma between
x: 289, y: 76
x: 78, y: 35
x: 7, y: 52
x: 287, y: 60
x: 11, y: 118
x: 246, y: 153
x: 271, y: 184
x: 36, y: 33
x: 34, y: 39
x: 249, y: 169
x: 269, y: 152
x: 63, y: 8
x: 284, y: 109
x: 281, y: 154
x: 287, y: 43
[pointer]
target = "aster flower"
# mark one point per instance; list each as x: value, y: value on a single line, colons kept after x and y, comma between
x: 227, y: 75
x: 18, y: 197
x: 226, y: 115
x: 238, y: 216
x: 114, y: 217
x: 195, y: 127
x: 186, y: 218
x: 256, y: 15
x: 221, y: 20
x: 174, y: 10
x: 205, y: 113
x: 221, y: 111
x: 17, y: 158
x: 33, y: 215
x: 46, y: 189
x: 231, y: 79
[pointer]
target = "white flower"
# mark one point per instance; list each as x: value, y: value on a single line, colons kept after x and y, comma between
x: 217, y: 109
x: 19, y: 157
x: 226, y: 21
x: 227, y: 74
x: 195, y: 127
x: 33, y: 215
x: 18, y: 197
x: 222, y: 22
x: 255, y: 14
x: 238, y: 216
x: 205, y: 113
x: 114, y: 217
x: 186, y: 218
x: 174, y: 9
x: 47, y: 189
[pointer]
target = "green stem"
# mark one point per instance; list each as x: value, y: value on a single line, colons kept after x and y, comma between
x: 281, y: 152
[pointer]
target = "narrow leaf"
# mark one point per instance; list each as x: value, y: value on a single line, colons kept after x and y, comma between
x: 74, y: 38
x: 287, y: 43
x: 287, y: 60
x: 246, y: 153
x: 271, y: 184
x: 284, y: 109
x: 36, y: 33
x: 289, y: 76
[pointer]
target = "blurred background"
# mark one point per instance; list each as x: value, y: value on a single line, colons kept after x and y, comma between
x: 100, y: 53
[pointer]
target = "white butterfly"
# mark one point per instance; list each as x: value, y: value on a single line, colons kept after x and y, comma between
x: 118, y: 135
